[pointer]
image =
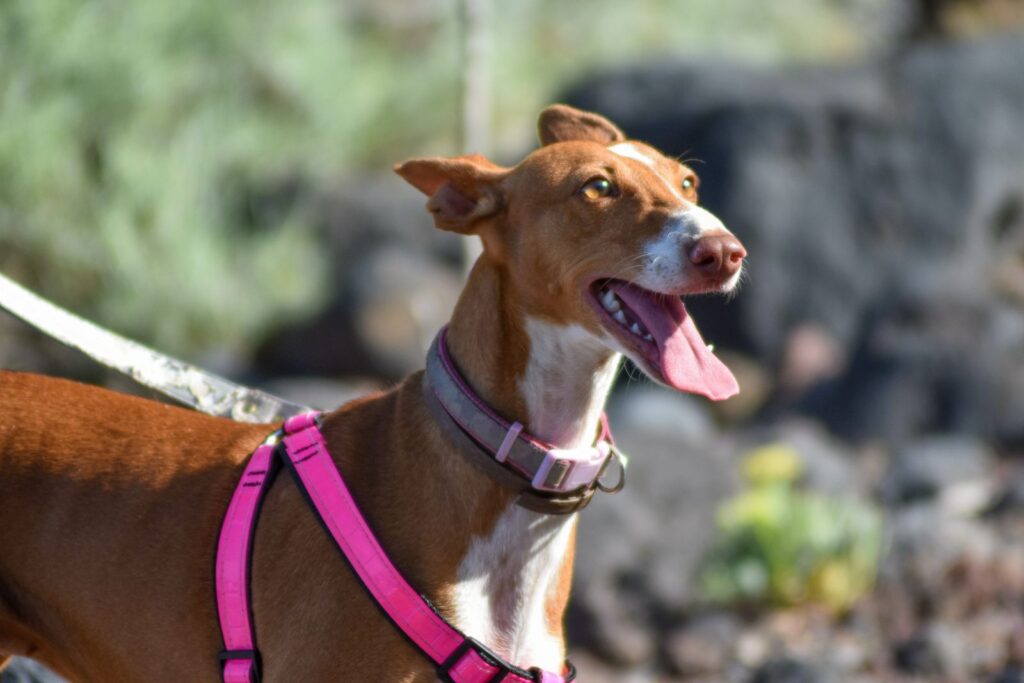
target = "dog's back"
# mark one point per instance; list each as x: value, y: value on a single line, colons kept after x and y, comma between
x: 78, y: 469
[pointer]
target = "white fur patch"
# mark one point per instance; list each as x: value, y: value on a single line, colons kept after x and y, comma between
x: 666, y: 263
x: 630, y: 151
x: 567, y: 380
x: 504, y: 583
x: 506, y: 578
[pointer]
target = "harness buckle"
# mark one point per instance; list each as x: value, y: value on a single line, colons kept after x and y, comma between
x: 253, y: 656
x: 485, y: 653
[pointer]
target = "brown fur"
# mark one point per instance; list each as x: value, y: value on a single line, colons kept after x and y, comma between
x: 110, y: 505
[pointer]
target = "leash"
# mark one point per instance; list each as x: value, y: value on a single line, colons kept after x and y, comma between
x: 301, y: 446
x: 181, y: 381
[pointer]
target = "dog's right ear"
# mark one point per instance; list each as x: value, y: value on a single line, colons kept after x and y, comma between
x: 562, y: 123
x: 463, y: 190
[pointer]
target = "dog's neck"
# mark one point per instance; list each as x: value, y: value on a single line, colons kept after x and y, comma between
x: 554, y: 378
x: 551, y: 376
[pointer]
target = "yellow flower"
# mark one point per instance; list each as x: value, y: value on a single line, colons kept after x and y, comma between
x: 772, y: 464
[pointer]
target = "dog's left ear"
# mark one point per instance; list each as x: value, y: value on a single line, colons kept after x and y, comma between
x: 462, y: 190
x: 562, y: 123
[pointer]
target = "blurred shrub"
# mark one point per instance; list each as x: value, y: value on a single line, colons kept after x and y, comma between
x: 780, y: 545
x: 161, y: 163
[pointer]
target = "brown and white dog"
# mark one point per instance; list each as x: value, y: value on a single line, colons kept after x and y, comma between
x: 110, y: 505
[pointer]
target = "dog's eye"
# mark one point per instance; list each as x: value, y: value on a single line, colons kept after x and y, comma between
x: 596, y: 188
x: 689, y: 184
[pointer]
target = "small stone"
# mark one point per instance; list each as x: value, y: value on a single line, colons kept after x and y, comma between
x: 787, y: 670
x: 923, y: 469
x: 752, y: 648
x: 703, y: 646
x: 1011, y: 674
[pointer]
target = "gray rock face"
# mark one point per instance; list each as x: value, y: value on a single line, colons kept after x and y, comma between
x: 638, y: 550
x: 884, y: 203
x: 925, y: 467
x: 791, y: 671
x: 396, y: 278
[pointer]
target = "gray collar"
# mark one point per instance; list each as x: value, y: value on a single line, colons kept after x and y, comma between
x: 546, y: 478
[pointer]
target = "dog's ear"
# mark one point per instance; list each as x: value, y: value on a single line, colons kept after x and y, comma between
x: 462, y: 190
x: 562, y: 123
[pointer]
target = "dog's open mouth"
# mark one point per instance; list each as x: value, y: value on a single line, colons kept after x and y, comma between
x: 663, y: 337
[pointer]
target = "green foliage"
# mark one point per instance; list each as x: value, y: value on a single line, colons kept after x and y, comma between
x: 783, y: 546
x: 162, y: 164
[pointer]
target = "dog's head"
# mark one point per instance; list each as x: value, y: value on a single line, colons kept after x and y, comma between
x: 597, y: 231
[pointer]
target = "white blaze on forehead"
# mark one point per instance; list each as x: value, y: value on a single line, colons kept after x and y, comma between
x: 630, y: 151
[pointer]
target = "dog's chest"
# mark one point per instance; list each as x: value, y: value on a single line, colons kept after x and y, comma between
x: 505, y: 583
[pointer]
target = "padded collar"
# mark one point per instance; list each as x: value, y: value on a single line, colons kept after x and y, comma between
x: 546, y: 478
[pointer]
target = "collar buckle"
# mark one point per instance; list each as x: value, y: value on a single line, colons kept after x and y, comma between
x: 567, y: 469
x: 444, y: 671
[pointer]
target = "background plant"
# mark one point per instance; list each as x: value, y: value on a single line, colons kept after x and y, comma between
x: 781, y: 545
x: 162, y: 164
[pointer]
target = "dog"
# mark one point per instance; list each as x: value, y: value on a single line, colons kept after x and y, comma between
x: 110, y: 505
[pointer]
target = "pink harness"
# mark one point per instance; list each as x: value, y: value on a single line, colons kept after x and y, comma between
x: 459, y: 658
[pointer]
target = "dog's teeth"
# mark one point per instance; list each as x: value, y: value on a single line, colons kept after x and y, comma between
x: 620, y: 317
x: 711, y: 348
x: 635, y: 329
x: 610, y: 301
x: 648, y: 337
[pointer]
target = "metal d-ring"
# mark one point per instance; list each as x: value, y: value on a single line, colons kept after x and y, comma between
x: 622, y: 460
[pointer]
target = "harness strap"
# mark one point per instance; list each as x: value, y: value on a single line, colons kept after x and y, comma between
x: 234, y: 552
x: 459, y: 658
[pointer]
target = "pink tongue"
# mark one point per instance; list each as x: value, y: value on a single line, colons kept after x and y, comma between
x: 685, y: 362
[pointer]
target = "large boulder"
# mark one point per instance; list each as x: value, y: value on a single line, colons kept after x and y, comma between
x: 883, y: 203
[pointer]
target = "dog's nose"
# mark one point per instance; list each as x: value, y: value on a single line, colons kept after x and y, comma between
x: 717, y: 254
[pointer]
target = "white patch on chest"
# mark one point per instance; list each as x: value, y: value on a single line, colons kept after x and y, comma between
x: 505, y: 581
x: 566, y: 382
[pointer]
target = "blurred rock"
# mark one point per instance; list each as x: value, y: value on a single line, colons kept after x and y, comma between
x: 704, y: 646
x: 828, y: 465
x: 653, y: 410
x: 638, y: 550
x: 1011, y: 674
x: 811, y: 355
x: 792, y: 671
x: 839, y: 180
x: 595, y: 670
x: 938, y: 651
x: 925, y: 467
x: 917, y: 656
x: 925, y: 543
x: 756, y: 387
x: 389, y: 305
